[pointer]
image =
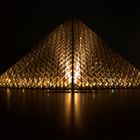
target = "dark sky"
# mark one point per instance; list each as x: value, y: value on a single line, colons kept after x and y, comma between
x: 24, y: 24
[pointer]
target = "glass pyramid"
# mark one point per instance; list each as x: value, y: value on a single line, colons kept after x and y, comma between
x: 71, y: 57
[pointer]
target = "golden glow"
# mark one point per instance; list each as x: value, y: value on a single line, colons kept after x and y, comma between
x: 68, y: 73
x: 77, y: 71
x: 77, y: 108
x: 72, y: 108
x: 68, y: 103
x: 8, y: 91
x: 71, y: 50
x: 8, y: 98
x: 23, y: 91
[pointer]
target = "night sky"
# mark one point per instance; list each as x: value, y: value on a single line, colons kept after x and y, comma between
x: 25, y: 24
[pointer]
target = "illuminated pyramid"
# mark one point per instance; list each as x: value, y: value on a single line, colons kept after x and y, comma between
x: 72, y: 56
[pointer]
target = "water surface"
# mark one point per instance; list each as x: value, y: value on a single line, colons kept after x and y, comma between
x: 40, y: 114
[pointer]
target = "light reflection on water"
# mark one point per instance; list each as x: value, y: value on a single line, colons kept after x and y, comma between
x: 64, y: 115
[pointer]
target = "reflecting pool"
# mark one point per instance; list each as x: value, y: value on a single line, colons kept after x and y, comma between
x: 42, y: 114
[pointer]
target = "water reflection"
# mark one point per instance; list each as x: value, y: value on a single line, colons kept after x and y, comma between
x: 81, y: 114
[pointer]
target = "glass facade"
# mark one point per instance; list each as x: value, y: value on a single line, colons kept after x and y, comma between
x: 71, y: 56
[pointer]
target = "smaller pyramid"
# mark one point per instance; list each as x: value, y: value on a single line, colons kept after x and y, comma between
x: 72, y: 56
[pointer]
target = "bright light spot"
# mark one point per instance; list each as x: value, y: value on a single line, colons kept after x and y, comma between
x: 112, y: 90
x: 68, y: 72
x: 77, y: 71
x: 23, y: 90
x: 9, y: 80
x: 8, y: 90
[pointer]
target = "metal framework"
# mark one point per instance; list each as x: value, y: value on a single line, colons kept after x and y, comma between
x: 71, y: 57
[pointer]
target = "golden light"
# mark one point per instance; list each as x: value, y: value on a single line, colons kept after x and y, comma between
x: 71, y: 56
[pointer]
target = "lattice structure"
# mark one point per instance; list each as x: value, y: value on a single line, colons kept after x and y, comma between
x: 72, y: 56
